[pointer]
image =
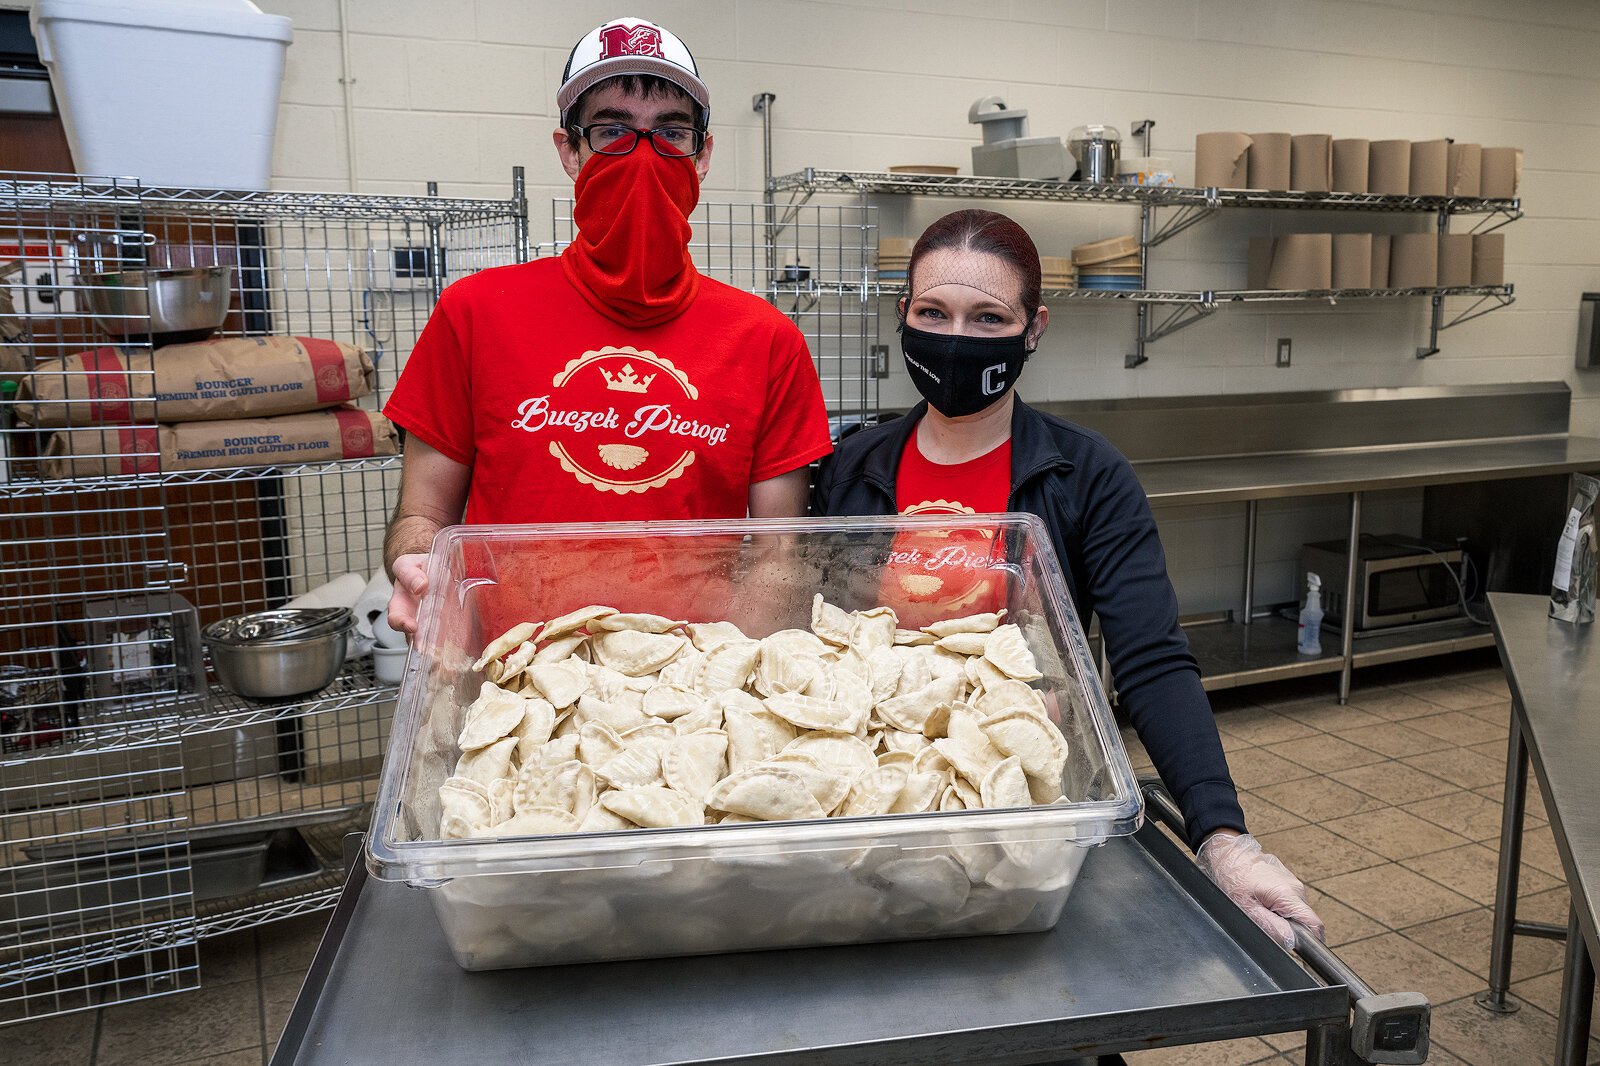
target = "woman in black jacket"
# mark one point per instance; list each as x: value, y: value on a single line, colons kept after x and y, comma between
x: 973, y: 316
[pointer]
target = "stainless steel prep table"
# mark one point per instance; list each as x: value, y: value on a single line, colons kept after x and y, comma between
x: 1553, y: 669
x: 1261, y: 447
x: 1147, y: 953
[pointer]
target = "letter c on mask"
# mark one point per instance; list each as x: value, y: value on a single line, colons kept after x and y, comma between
x: 994, y: 380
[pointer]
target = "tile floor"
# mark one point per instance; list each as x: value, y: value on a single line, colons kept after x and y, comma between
x: 1388, y: 808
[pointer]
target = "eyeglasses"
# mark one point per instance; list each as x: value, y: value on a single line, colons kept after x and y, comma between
x: 610, y: 139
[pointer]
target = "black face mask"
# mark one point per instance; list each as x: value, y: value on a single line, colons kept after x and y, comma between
x: 961, y: 375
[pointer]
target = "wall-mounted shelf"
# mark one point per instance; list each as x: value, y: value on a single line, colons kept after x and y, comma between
x: 1186, y: 207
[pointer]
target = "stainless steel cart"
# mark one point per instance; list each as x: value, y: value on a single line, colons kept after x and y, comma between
x: 1148, y: 953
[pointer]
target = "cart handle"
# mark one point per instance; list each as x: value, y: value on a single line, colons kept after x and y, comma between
x: 1387, y: 1028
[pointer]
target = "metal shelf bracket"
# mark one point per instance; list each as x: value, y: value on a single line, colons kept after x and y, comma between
x: 1493, y: 301
x: 1506, y: 214
x: 1180, y: 317
x: 1181, y: 219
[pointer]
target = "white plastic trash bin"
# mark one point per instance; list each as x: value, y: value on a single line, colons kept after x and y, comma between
x: 173, y: 92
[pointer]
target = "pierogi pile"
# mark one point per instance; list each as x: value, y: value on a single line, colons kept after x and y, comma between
x: 602, y: 720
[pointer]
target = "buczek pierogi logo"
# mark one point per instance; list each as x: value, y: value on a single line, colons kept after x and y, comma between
x: 621, y: 420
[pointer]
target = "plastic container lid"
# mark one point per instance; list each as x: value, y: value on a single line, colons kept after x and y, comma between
x: 1141, y: 163
x: 221, y: 18
x: 1095, y: 132
x: 1105, y: 251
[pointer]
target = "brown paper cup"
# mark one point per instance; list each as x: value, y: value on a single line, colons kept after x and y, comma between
x: 1389, y: 168
x: 1430, y: 168
x: 1271, y: 156
x: 1380, y: 260
x: 1414, y: 261
x: 1259, y: 263
x: 1311, y: 162
x: 1455, y: 260
x: 1302, y: 261
x: 1221, y: 160
x: 1489, y: 259
x: 1350, y: 156
x: 1501, y: 173
x: 1466, y: 170
x: 1352, y: 260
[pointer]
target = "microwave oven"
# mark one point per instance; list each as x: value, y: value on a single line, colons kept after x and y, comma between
x: 1399, y: 580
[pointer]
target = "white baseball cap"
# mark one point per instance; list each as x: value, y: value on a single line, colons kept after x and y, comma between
x: 630, y: 46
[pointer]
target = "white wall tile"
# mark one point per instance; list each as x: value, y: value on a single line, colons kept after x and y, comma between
x: 417, y: 146
x: 430, y: 20
x: 310, y: 144
x: 381, y: 72
x: 1349, y: 29
x: 307, y: 14
x: 312, y: 68
x: 1081, y: 14
x: 476, y: 77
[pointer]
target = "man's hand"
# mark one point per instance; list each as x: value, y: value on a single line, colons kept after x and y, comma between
x: 433, y: 492
x: 410, y: 584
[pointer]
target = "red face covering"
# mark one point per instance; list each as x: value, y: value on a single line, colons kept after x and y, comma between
x: 630, y: 260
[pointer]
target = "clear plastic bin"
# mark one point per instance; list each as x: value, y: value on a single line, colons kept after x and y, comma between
x: 646, y: 893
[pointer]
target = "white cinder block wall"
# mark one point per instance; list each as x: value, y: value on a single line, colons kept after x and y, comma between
x: 460, y: 90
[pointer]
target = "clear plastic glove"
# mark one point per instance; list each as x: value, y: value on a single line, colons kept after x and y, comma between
x: 410, y: 574
x: 1259, y: 884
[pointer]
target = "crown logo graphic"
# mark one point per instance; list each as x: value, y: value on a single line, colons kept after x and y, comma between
x: 626, y: 380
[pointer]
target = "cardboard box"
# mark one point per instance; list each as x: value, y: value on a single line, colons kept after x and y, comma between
x: 1489, y: 259
x: 1466, y: 170
x: 1455, y: 260
x: 1430, y: 168
x: 1352, y: 261
x: 1414, y: 261
x: 1270, y: 160
x: 1389, y: 168
x: 1221, y: 160
x: 1501, y: 173
x: 1311, y: 162
x: 1381, y: 251
x: 1350, y: 163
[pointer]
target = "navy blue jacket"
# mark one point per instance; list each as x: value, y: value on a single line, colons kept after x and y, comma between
x: 1105, y: 536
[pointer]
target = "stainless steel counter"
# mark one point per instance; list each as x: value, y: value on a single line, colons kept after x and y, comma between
x: 1553, y: 669
x: 1265, y: 477
x: 1148, y: 953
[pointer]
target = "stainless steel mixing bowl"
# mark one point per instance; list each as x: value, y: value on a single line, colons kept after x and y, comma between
x: 277, y: 669
x: 187, y: 304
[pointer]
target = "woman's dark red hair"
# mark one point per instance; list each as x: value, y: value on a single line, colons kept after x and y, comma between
x: 985, y: 231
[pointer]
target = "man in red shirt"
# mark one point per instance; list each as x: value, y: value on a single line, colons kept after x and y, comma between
x: 614, y: 382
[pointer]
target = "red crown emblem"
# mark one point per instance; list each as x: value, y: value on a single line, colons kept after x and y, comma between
x: 619, y: 40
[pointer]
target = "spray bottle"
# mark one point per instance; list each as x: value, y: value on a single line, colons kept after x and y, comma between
x: 1310, y: 642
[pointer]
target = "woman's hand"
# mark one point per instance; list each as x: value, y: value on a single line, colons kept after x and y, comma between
x: 1259, y: 884
x: 410, y: 573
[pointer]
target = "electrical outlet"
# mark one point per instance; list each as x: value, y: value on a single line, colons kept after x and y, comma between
x: 1284, y: 344
x: 880, y: 360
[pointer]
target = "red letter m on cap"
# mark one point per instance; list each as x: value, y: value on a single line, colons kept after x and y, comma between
x: 630, y: 41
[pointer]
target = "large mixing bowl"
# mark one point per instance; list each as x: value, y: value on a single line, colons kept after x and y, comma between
x: 267, y: 669
x: 171, y: 305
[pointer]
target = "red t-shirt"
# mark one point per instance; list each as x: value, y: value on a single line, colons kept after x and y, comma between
x: 565, y: 416
x: 937, y: 574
